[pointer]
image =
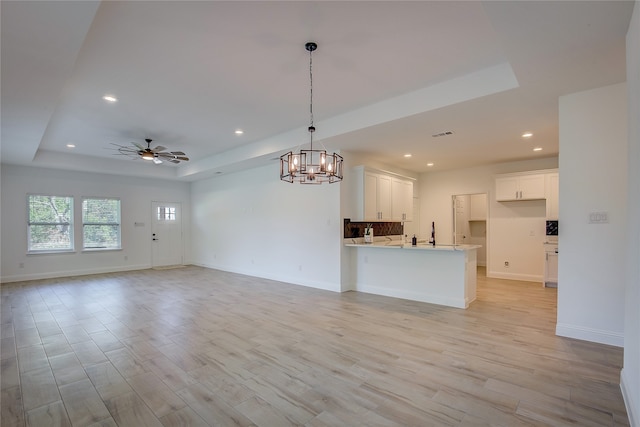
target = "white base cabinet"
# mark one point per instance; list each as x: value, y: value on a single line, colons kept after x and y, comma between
x: 550, y: 265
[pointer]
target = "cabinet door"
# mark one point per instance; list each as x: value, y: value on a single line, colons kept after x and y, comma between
x: 370, y: 197
x: 507, y: 188
x: 384, y: 196
x: 478, y: 207
x: 551, y: 268
x: 552, y: 196
x: 520, y: 187
x: 531, y: 187
x: 407, y: 195
x: 402, y: 200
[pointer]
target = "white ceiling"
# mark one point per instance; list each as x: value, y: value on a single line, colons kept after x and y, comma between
x: 387, y: 76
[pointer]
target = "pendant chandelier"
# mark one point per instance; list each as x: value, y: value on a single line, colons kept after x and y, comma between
x: 311, y: 166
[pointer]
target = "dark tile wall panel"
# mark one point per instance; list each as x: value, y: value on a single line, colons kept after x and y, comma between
x: 356, y: 229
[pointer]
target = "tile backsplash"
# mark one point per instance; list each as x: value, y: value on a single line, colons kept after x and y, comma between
x: 356, y: 229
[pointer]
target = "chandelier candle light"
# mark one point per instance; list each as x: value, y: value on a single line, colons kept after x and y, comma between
x: 311, y: 166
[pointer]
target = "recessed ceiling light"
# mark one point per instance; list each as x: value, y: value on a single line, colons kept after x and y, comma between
x: 429, y: 164
x: 239, y: 132
x: 537, y: 149
x: 527, y: 135
x: 110, y: 98
x: 71, y: 145
x: 408, y: 155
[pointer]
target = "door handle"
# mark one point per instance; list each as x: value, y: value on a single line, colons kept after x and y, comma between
x: 154, y: 239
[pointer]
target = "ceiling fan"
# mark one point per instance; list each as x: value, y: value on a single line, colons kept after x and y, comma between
x: 156, y: 154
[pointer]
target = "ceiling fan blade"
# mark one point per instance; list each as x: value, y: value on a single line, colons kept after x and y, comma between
x: 171, y: 156
x: 174, y: 161
x: 178, y: 153
x: 158, y: 149
x: 139, y: 146
x: 127, y: 150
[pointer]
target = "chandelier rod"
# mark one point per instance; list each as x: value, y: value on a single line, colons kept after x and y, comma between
x: 311, y: 46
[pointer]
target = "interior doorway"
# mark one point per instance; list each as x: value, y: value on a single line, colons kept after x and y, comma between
x: 470, y: 222
x: 166, y: 234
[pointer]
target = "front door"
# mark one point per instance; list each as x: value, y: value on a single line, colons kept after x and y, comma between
x: 166, y: 234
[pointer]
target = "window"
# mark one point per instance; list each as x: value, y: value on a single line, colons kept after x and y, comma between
x: 50, y: 223
x: 166, y: 213
x: 100, y: 223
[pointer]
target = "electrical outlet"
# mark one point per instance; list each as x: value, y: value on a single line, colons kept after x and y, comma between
x: 506, y: 264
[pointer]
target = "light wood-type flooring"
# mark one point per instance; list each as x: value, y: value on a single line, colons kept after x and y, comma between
x: 196, y: 347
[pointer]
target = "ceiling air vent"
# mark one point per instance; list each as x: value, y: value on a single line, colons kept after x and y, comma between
x: 445, y: 133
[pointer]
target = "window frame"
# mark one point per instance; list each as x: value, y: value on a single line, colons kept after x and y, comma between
x: 166, y: 213
x: 70, y: 226
x: 118, y: 224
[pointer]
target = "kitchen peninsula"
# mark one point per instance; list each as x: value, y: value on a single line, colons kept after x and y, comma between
x: 441, y: 274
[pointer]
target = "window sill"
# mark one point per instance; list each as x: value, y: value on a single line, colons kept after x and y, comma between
x: 100, y: 250
x: 52, y: 252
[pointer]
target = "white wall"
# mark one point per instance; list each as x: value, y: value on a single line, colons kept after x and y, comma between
x: 593, y: 178
x: 509, y: 225
x: 630, y: 377
x: 136, y: 195
x: 252, y: 223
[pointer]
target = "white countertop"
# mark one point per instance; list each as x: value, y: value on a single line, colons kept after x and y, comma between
x: 396, y: 244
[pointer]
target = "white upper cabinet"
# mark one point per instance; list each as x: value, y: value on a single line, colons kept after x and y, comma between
x: 382, y: 197
x: 520, y: 187
x: 553, y: 192
x: 376, y: 197
x: 401, y: 199
x: 478, y: 207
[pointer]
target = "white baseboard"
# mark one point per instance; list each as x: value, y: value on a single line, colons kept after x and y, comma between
x: 414, y: 296
x: 590, y: 334
x: 632, y: 408
x: 71, y: 273
x: 515, y: 276
x: 326, y: 286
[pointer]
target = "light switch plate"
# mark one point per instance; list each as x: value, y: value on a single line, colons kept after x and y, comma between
x: 598, y: 218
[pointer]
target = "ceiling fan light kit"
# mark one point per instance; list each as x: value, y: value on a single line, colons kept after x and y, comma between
x: 311, y: 166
